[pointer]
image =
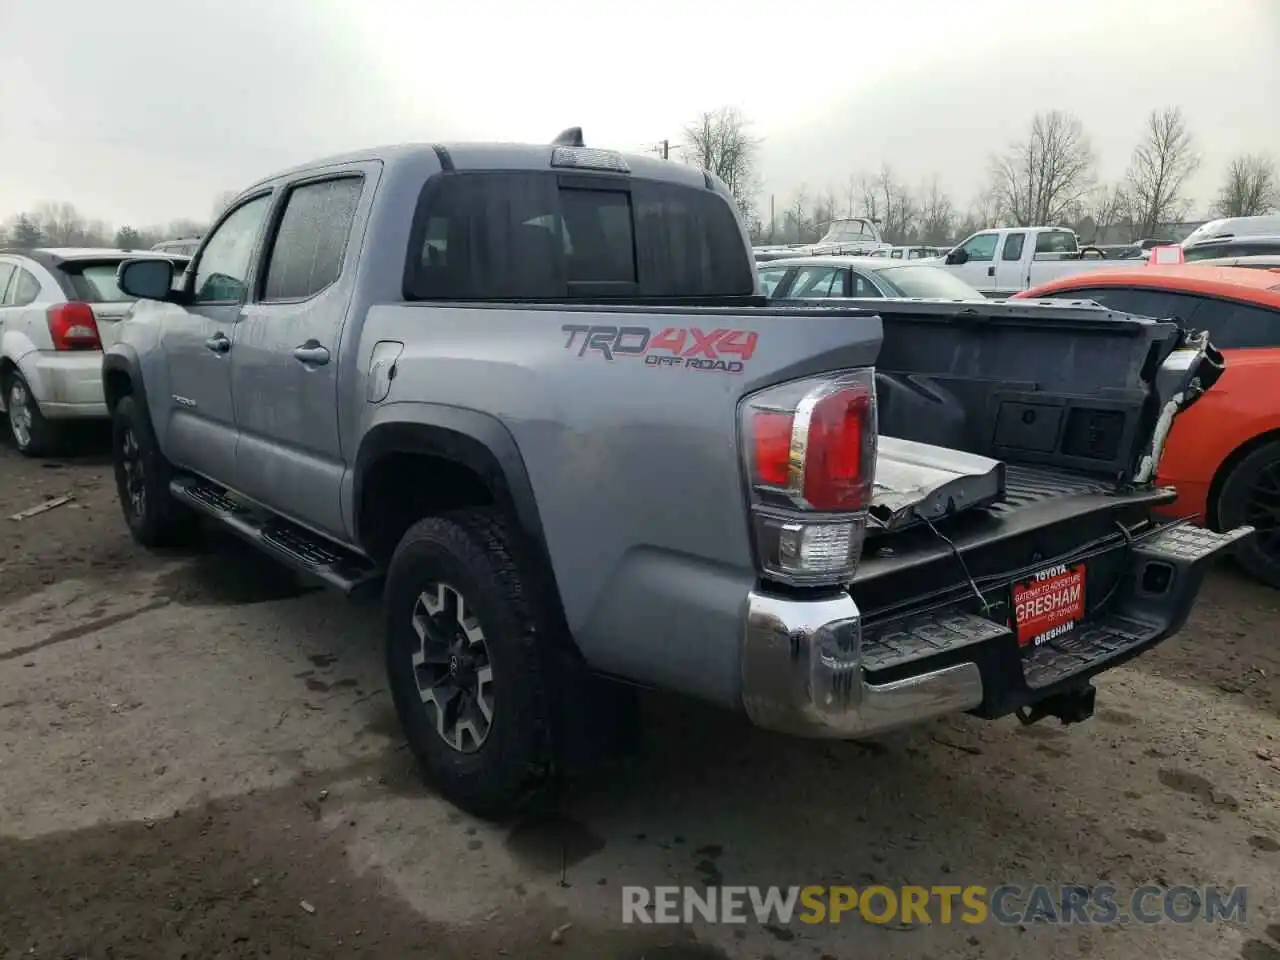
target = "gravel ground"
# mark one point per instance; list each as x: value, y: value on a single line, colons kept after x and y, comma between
x: 198, y: 759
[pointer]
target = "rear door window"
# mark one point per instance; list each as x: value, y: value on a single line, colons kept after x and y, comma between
x: 23, y: 289
x: 1013, y: 245
x: 311, y: 241
x: 547, y: 236
x: 863, y: 287
x: 811, y: 282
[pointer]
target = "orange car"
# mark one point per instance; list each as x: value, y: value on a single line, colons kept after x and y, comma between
x: 1223, y: 454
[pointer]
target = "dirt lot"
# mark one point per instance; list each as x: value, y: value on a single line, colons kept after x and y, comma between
x: 191, y: 746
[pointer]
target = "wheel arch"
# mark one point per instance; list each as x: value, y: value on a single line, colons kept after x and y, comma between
x: 472, y: 460
x: 121, y: 377
x: 1229, y: 463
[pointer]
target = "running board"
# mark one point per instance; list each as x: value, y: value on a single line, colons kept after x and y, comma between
x: 296, y: 546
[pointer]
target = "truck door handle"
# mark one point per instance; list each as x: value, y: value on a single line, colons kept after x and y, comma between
x: 311, y: 353
x: 991, y: 271
x: 218, y: 343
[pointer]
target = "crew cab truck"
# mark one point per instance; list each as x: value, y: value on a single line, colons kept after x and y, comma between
x: 529, y: 394
x: 1005, y: 261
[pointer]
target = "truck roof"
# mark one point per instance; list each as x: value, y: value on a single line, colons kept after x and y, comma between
x: 489, y: 156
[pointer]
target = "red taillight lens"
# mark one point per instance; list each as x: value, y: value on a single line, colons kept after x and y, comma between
x: 837, y: 474
x: 73, y: 327
x: 772, y: 434
x: 829, y: 424
x: 811, y: 461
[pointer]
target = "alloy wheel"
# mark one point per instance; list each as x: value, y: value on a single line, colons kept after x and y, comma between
x: 452, y: 668
x: 20, y: 414
x: 134, y: 480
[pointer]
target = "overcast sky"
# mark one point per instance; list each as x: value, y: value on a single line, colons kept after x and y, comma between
x: 141, y: 111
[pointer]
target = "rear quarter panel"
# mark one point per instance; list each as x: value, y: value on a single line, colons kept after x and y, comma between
x: 635, y: 462
x: 1244, y: 403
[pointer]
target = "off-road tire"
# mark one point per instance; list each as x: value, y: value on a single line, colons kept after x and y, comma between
x: 474, y: 552
x: 161, y: 521
x: 1234, y: 509
x: 42, y: 436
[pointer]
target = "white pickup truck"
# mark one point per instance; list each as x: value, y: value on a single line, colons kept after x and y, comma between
x: 1004, y: 261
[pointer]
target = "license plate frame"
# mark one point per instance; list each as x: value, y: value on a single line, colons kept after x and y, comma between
x: 1048, y: 604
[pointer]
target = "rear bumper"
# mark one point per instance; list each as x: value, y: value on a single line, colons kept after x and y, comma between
x: 66, y: 384
x: 814, y: 668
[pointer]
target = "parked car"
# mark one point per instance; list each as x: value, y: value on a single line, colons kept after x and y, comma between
x: 860, y: 277
x: 1004, y: 261
x: 1221, y: 247
x: 1224, y: 454
x: 531, y: 393
x: 58, y: 308
x: 185, y: 247
x: 1264, y: 225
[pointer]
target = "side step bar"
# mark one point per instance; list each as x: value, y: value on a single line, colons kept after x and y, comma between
x: 296, y: 546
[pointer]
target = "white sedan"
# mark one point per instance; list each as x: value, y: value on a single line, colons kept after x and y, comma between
x: 806, y: 278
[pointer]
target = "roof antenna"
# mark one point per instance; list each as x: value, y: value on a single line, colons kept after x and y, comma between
x: 568, y: 137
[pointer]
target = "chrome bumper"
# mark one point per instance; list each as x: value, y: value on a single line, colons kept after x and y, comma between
x: 802, y: 674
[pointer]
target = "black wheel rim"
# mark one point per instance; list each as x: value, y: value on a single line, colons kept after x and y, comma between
x: 132, y: 480
x: 1262, y: 510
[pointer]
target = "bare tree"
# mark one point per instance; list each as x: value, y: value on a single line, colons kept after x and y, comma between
x: 1038, y: 181
x: 221, y: 201
x: 720, y: 141
x: 824, y: 211
x: 128, y: 238
x: 1105, y: 207
x: 798, y: 213
x: 1251, y: 188
x: 25, y: 232
x: 937, y: 215
x: 60, y: 223
x: 852, y: 195
x: 1162, y: 162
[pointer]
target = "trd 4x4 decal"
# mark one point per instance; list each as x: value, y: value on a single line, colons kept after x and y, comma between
x: 720, y: 350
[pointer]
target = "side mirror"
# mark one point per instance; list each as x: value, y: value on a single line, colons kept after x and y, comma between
x: 957, y: 256
x: 146, y: 279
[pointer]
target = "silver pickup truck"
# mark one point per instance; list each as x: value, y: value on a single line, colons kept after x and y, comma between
x: 530, y: 395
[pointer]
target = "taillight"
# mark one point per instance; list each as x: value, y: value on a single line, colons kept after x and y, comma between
x: 811, y: 458
x: 73, y: 327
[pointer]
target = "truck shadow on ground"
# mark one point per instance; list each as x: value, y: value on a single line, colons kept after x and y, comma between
x: 254, y: 876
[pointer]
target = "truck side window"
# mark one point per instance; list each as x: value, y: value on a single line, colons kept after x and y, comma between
x: 311, y: 241
x: 981, y: 247
x: 1056, y: 241
x: 223, y: 271
x: 1013, y: 244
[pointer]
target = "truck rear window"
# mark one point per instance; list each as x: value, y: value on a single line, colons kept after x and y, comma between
x: 548, y: 236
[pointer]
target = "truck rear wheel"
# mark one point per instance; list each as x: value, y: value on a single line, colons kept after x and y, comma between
x: 463, y: 663
x: 1251, y: 495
